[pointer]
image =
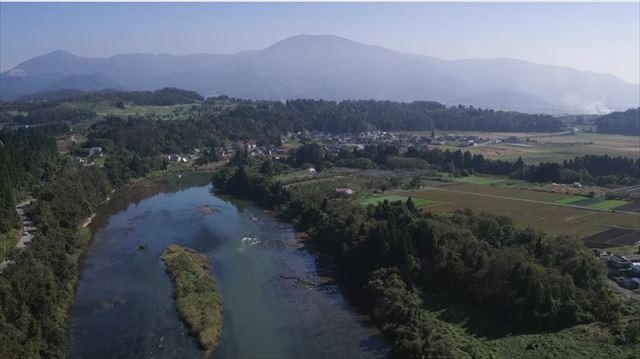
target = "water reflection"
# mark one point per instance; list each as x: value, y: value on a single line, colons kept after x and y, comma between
x: 275, y: 305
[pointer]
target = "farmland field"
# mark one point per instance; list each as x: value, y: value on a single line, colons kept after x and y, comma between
x: 570, y: 200
x: 542, y: 147
x: 526, y: 208
x: 592, y: 202
x: 609, y: 204
x: 477, y: 180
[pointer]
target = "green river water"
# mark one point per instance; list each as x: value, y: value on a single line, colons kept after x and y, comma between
x: 275, y: 305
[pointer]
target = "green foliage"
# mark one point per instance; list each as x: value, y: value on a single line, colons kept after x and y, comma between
x: 163, y: 97
x: 530, y: 280
x: 56, y: 114
x: 623, y: 123
x: 598, y: 169
x: 309, y: 153
x: 359, y: 163
x: 26, y: 157
x: 37, y: 291
x: 398, y: 310
x: 632, y: 332
x: 197, y: 297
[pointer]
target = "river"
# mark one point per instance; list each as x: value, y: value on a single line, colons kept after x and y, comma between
x: 275, y: 305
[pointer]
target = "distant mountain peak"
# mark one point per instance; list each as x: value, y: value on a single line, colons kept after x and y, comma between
x: 59, y: 53
x: 331, y: 67
x: 298, y: 39
x: 302, y: 42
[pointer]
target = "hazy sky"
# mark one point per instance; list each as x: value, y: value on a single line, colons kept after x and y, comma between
x: 595, y: 37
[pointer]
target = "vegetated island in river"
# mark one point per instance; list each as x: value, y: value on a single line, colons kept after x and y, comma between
x: 197, y: 296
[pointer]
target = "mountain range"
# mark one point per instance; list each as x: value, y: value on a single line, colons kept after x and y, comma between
x: 333, y: 68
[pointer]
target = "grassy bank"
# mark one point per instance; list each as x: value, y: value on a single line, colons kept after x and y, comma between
x: 197, y: 297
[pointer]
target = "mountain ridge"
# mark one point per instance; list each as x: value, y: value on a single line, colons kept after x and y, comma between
x: 334, y: 68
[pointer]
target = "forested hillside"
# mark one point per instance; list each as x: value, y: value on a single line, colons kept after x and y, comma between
x: 26, y: 159
x: 526, y: 278
x: 163, y: 97
x: 278, y: 117
x: 357, y: 116
x: 623, y: 123
x: 37, y: 290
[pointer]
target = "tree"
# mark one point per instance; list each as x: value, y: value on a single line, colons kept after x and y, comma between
x: 415, y: 183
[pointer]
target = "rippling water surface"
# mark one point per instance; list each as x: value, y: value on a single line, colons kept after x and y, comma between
x: 275, y: 306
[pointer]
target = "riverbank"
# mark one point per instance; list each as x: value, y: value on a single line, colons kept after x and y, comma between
x: 196, y: 294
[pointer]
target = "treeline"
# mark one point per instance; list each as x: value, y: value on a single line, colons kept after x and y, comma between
x: 163, y: 97
x: 622, y: 123
x: 524, y: 277
x: 50, y: 113
x: 37, y: 291
x: 295, y: 115
x: 26, y: 158
x: 602, y: 170
x: 55, y: 115
x: 359, y: 116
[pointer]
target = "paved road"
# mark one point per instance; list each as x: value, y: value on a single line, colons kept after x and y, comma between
x: 27, y: 228
x: 528, y: 200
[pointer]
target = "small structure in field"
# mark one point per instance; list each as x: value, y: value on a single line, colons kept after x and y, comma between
x: 344, y: 191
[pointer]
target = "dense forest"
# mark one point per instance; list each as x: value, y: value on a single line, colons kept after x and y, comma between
x: 163, y: 97
x: 602, y: 170
x: 358, y: 116
x: 622, y: 123
x: 26, y: 158
x: 279, y: 118
x: 37, y: 291
x: 531, y: 280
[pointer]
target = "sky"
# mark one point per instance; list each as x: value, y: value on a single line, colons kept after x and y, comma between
x: 595, y: 37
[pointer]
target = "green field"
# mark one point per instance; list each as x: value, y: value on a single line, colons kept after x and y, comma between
x: 419, y: 202
x: 570, y: 200
x: 166, y: 112
x: 592, y: 202
x: 544, y: 148
x: 477, y: 180
x: 609, y: 204
x: 516, y: 204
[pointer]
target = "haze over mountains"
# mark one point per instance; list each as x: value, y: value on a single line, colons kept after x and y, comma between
x: 333, y: 68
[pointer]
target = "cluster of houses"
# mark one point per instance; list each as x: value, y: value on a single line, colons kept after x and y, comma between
x: 625, y: 269
x: 253, y: 149
x: 422, y: 141
x: 342, y: 138
x: 332, y: 143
